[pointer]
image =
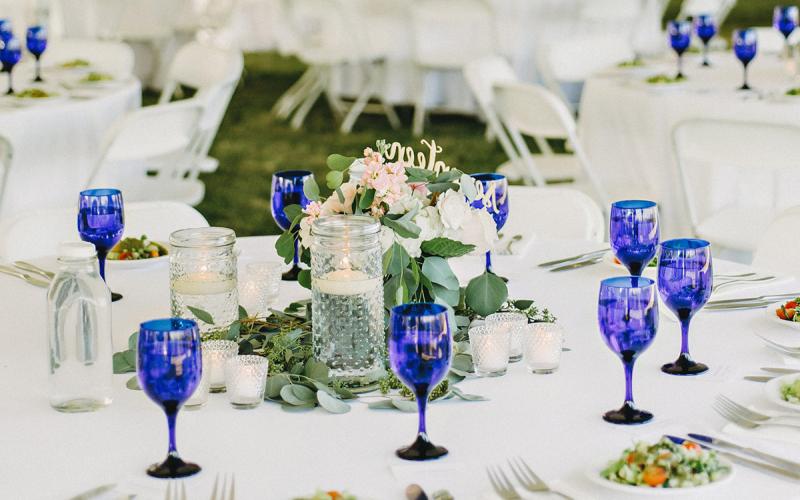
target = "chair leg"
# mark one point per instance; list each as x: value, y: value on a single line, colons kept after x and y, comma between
x: 300, y: 115
x: 336, y: 105
x: 419, y: 105
x: 290, y: 99
x: 367, y: 91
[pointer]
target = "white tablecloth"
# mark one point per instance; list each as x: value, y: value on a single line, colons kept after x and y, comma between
x: 552, y: 421
x: 626, y: 125
x: 57, y: 145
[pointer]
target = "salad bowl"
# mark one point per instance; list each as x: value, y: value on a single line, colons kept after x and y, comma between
x: 772, y: 315
x: 774, y: 391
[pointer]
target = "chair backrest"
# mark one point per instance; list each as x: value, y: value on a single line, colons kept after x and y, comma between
x: 323, y: 32
x: 201, y: 66
x: 734, y: 164
x: 483, y: 73
x: 771, y: 41
x: 115, y: 58
x: 554, y: 212
x: 154, y: 132
x: 605, y: 11
x: 533, y: 110
x: 718, y: 8
x: 450, y: 33
x: 38, y: 233
x: 777, y: 250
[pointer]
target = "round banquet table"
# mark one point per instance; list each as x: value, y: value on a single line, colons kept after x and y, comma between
x: 626, y: 124
x: 58, y: 144
x: 552, y: 421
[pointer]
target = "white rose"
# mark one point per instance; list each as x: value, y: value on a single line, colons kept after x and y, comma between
x: 407, y: 203
x: 333, y: 206
x: 411, y: 245
x: 453, y: 209
x: 387, y: 237
x: 305, y: 232
x: 430, y: 223
x: 479, y: 229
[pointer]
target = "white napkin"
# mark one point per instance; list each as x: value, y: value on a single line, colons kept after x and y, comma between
x: 513, y: 243
x: 781, y: 441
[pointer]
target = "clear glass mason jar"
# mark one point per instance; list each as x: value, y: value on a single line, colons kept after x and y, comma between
x: 202, y: 275
x: 347, y: 299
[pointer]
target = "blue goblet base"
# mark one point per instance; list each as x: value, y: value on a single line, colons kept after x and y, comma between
x: 115, y: 296
x: 684, y: 365
x: 628, y: 415
x: 291, y: 274
x: 173, y: 467
x: 422, y: 449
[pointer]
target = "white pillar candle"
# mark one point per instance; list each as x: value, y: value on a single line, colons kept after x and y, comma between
x: 490, y: 350
x: 215, y: 354
x: 543, y: 343
x: 346, y: 282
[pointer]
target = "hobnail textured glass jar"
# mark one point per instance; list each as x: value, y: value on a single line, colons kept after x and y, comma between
x: 202, y: 274
x: 347, y: 298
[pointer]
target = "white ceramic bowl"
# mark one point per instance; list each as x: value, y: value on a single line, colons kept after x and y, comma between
x: 773, y: 318
x: 772, y: 389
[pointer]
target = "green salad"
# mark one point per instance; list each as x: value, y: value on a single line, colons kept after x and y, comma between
x: 666, y: 465
x: 633, y: 63
x: 662, y: 79
x: 95, y: 77
x: 794, y: 91
x: 34, y: 93
x: 790, y: 391
x: 136, y: 249
x: 75, y: 63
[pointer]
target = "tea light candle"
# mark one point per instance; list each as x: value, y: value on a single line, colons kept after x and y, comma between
x: 490, y: 350
x: 215, y: 354
x: 252, y: 296
x: 513, y: 323
x: 543, y: 343
x: 346, y: 282
x: 246, y: 379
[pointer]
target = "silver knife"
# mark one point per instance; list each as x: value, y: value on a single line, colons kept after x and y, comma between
x: 94, y: 492
x: 782, y: 370
x: 762, y: 298
x: 25, y: 266
x: 744, y: 461
x: 736, y: 306
x: 574, y: 257
x: 576, y: 265
x: 781, y: 462
x: 759, y: 378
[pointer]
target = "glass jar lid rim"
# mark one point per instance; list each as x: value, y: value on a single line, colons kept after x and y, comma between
x: 332, y: 225
x: 202, y: 237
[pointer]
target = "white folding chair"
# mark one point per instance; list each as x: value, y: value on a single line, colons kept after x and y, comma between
x: 447, y: 35
x: 329, y: 38
x: 6, y: 156
x: 115, y: 58
x: 734, y: 177
x: 717, y: 8
x: 214, y: 73
x: 161, y: 139
x: 565, y: 64
x: 777, y: 249
x: 771, y: 41
x: 533, y: 111
x: 554, y: 213
x: 38, y: 233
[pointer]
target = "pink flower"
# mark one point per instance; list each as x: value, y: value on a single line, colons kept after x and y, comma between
x: 419, y: 189
x: 313, y: 209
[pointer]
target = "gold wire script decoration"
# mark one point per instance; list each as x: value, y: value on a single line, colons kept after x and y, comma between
x: 396, y: 152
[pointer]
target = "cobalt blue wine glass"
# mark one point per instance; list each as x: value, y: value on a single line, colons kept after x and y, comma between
x: 493, y: 196
x: 37, y: 42
x: 680, y: 36
x: 287, y: 189
x: 420, y: 346
x: 745, y: 46
x: 169, y: 365
x: 785, y: 19
x: 685, y: 279
x: 627, y: 313
x: 634, y: 233
x: 706, y: 28
x: 101, y: 221
x: 10, y: 53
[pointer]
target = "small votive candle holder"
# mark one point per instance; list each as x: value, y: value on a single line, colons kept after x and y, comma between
x: 215, y: 354
x: 513, y: 323
x: 199, y: 397
x: 490, y: 350
x: 246, y: 380
x: 259, y: 287
x: 543, y: 343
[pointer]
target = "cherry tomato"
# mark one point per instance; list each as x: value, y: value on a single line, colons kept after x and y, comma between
x: 654, y: 475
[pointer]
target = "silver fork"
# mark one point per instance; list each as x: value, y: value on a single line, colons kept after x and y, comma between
x: 24, y: 276
x: 223, y: 495
x: 175, y: 493
x: 501, y: 484
x: 733, y: 276
x: 27, y: 266
x: 754, y: 415
x: 529, y: 480
x: 741, y: 421
x: 760, y: 279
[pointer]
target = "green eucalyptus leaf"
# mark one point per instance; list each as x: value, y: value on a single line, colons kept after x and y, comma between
x: 423, y: 174
x: 468, y: 188
x: 334, y: 179
x: 233, y: 330
x: 304, y: 278
x: 296, y: 394
x: 293, y: 211
x: 344, y: 392
x: 121, y: 363
x: 133, y: 384
x: 438, y: 271
x: 133, y: 341
x: 463, y: 363
x: 398, y: 259
x: 302, y: 408
x: 405, y: 405
x: 275, y: 383
x: 486, y: 294
x: 242, y: 313
x: 366, y: 199
x: 441, y: 187
x: 449, y: 176
x: 522, y: 305
x: 382, y: 404
x: 285, y: 246
x: 332, y: 404
x: 455, y: 377
x: 201, y: 315
x: 316, y: 370
x: 467, y: 397
x: 339, y: 163
x: 245, y: 347
x: 403, y: 228
x: 445, y: 247
x: 449, y: 297
x: 311, y: 189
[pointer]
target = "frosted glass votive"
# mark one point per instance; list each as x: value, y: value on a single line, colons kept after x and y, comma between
x: 259, y: 287
x: 215, y: 354
x: 490, y: 350
x: 246, y: 380
x: 543, y: 343
x: 512, y: 322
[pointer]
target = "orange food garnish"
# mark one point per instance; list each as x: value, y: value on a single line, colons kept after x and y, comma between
x: 654, y: 475
x: 689, y: 445
x: 335, y: 495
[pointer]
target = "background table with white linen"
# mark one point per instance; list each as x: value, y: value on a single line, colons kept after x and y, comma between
x: 553, y: 421
x: 58, y: 144
x: 626, y: 124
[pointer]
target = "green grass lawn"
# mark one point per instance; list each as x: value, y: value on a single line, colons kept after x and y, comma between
x: 251, y: 145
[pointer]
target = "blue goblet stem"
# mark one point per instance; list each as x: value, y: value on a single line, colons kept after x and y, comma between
x: 296, y: 258
x: 422, y: 403
x: 705, y: 54
x: 10, y: 83
x: 745, y: 85
x: 171, y: 409
x: 101, y: 260
x: 489, y: 261
x: 685, y: 337
x: 628, y: 381
x: 680, y: 66
x: 38, y: 69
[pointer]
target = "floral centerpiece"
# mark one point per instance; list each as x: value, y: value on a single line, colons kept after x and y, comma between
x: 426, y: 217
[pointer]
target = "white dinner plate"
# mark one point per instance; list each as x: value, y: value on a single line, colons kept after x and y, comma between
x: 698, y: 491
x: 773, y: 318
x: 610, y: 261
x: 80, y: 83
x: 137, y: 264
x: 773, y: 391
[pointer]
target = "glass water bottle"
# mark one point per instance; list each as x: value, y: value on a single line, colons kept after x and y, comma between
x: 79, y: 332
